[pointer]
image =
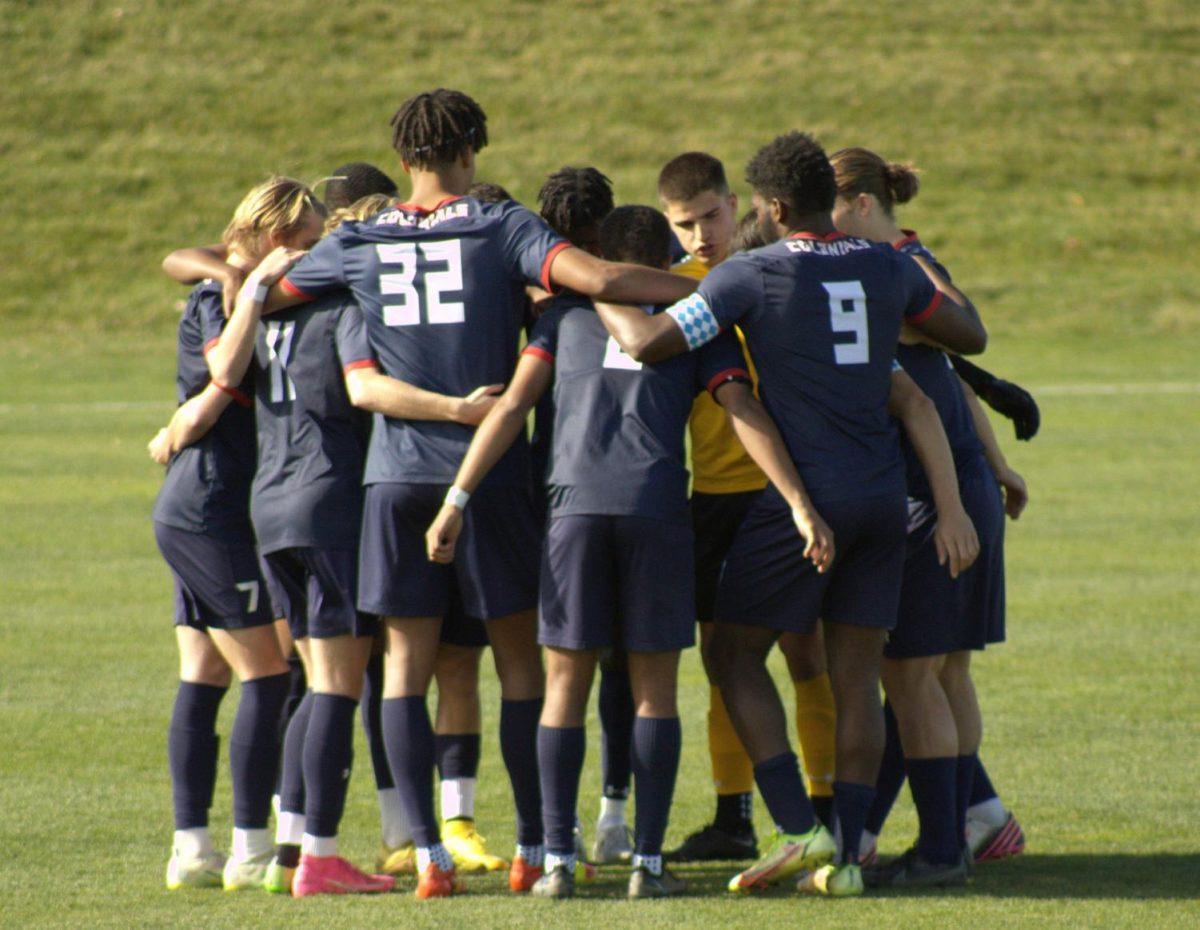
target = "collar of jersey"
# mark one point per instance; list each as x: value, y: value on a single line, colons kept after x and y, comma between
x: 828, y: 237
x: 910, y: 236
x: 414, y: 208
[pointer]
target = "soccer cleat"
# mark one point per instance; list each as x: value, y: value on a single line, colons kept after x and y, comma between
x: 834, y: 881
x: 203, y: 871
x: 645, y: 884
x: 785, y: 855
x: 279, y: 878
x: 868, y: 856
x: 522, y: 876
x: 436, y: 883
x: 334, y: 875
x: 613, y: 843
x: 715, y: 844
x: 397, y: 860
x: 246, y: 874
x: 986, y: 842
x: 467, y: 848
x: 912, y: 870
x: 557, y: 883
x: 585, y: 872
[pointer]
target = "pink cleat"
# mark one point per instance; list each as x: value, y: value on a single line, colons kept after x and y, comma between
x: 987, y: 843
x: 334, y: 875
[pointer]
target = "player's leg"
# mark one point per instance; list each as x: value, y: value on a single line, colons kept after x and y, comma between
x: 397, y: 855
x: 616, y: 712
x: 955, y: 679
x: 815, y: 716
x: 887, y: 786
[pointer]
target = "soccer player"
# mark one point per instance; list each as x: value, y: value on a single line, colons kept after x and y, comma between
x: 202, y: 526
x: 933, y: 712
x: 821, y: 313
x: 702, y: 211
x: 437, y: 279
x: 617, y: 565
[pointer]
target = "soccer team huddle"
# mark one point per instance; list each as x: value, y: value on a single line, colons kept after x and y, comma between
x: 353, y: 509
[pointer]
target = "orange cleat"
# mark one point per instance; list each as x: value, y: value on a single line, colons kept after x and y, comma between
x: 435, y: 883
x: 522, y: 875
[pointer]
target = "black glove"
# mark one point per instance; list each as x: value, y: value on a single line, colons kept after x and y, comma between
x: 1007, y: 399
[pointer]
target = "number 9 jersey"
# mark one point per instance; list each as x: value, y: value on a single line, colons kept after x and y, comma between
x: 441, y: 291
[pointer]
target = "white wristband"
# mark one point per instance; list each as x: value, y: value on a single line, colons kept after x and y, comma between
x: 255, y: 290
x: 457, y: 497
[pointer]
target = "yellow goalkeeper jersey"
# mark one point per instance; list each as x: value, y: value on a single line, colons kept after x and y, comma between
x: 720, y: 464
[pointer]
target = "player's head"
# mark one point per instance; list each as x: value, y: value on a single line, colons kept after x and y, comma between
x: 638, y: 235
x: 361, y: 209
x: 354, y: 181
x: 574, y: 201
x: 279, y: 211
x: 792, y: 180
x: 699, y: 205
x: 868, y: 189
x: 440, y: 130
x: 488, y: 193
x: 749, y: 234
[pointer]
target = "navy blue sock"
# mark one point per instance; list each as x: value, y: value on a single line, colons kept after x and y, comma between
x: 372, y: 699
x: 456, y: 754
x: 519, y: 747
x: 617, y: 727
x: 408, y: 738
x: 852, y: 802
x: 254, y: 749
x: 981, y: 789
x: 297, y: 691
x: 291, y: 769
x: 656, y: 745
x: 966, y: 781
x: 560, y: 763
x: 192, y: 749
x: 933, y: 784
x: 778, y: 780
x: 891, y: 774
x: 328, y: 755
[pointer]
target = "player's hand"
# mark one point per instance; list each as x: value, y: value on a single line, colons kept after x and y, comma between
x: 476, y: 405
x: 277, y: 263
x: 1016, y: 403
x: 442, y: 535
x: 956, y: 542
x: 818, y: 536
x: 1016, y: 495
x: 160, y: 447
x: 231, y: 283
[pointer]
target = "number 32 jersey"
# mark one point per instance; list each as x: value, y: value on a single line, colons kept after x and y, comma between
x: 821, y: 317
x: 441, y: 291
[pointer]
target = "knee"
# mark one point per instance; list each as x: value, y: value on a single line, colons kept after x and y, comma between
x: 805, y: 655
x: 905, y: 679
x: 457, y: 670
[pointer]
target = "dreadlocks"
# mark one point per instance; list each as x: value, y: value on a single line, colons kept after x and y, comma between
x: 436, y: 127
x: 574, y: 201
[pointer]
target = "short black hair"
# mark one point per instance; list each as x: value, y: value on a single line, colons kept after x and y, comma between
x: 436, y: 127
x: 794, y: 169
x: 690, y: 175
x: 636, y: 234
x: 354, y: 181
x: 574, y: 201
x: 488, y: 193
x: 749, y: 234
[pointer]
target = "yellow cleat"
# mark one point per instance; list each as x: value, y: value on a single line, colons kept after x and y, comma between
x: 786, y: 855
x: 467, y: 848
x: 397, y: 860
x: 834, y: 881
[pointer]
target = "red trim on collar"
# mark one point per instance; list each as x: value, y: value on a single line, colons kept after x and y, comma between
x: 414, y: 208
x: 910, y: 235
x: 828, y: 237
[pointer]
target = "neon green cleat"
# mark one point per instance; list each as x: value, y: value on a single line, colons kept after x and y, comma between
x: 279, y: 878
x: 835, y: 881
x: 202, y: 871
x: 785, y: 855
x: 467, y: 848
x: 247, y: 874
x: 397, y: 860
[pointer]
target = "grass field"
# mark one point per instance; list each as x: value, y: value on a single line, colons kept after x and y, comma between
x: 1059, y: 144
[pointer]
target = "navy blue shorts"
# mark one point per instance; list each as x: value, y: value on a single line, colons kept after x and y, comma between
x: 767, y: 581
x: 495, y: 565
x: 715, y: 522
x: 617, y: 580
x: 461, y: 629
x: 314, y: 590
x: 217, y: 579
x: 939, y: 615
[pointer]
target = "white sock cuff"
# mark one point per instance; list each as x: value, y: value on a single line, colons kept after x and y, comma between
x: 458, y: 798
x: 320, y: 846
x: 289, y: 828
x: 249, y: 844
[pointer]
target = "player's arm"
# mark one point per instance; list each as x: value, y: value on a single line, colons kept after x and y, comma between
x: 1007, y: 399
x: 495, y: 434
x: 954, y: 535
x: 190, y: 422
x: 192, y: 265
x: 1016, y: 495
x: 758, y: 433
x: 370, y: 389
x: 950, y: 319
x: 617, y: 282
x: 643, y: 338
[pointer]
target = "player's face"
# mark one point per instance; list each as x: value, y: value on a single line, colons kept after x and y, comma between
x: 307, y: 235
x: 767, y: 225
x: 848, y: 215
x: 704, y: 225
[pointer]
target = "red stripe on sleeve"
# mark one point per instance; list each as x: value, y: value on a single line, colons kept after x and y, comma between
x: 359, y: 363
x: 538, y: 353
x: 290, y: 288
x: 729, y: 374
x: 209, y: 345
x: 238, y: 396
x: 928, y: 311
x: 548, y: 261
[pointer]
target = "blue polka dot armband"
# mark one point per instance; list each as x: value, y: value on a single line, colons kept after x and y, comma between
x: 694, y: 316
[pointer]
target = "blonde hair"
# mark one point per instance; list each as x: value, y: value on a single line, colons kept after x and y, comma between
x: 278, y: 205
x: 361, y: 209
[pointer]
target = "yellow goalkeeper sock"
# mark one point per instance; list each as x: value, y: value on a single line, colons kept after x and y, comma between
x: 731, y: 768
x: 815, y: 727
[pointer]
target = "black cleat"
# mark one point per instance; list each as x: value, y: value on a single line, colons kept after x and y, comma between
x: 912, y: 870
x: 559, y: 882
x: 715, y: 844
x: 645, y: 884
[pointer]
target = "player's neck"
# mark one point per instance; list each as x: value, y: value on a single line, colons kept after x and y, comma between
x: 818, y: 224
x: 430, y: 188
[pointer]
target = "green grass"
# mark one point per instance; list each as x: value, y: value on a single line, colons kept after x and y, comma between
x: 1061, y: 161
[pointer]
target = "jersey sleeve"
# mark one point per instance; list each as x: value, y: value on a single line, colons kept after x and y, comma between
x: 720, y: 361
x: 543, y: 338
x: 353, y: 345
x: 212, y: 319
x: 529, y: 245
x: 729, y: 292
x: 319, y: 272
x: 922, y: 298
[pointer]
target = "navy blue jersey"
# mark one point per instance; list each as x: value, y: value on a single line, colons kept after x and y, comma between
x: 207, y: 488
x: 931, y: 370
x: 311, y: 441
x: 618, y: 439
x: 821, y: 317
x: 439, y: 293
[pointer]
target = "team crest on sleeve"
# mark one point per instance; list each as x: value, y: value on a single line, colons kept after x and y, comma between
x: 696, y: 319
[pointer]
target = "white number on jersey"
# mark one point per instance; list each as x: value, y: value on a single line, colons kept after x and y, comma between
x: 251, y: 588
x: 848, y: 314
x: 615, y: 357
x: 279, y: 353
x: 402, y: 300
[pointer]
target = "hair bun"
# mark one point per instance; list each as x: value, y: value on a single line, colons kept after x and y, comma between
x: 902, y: 181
